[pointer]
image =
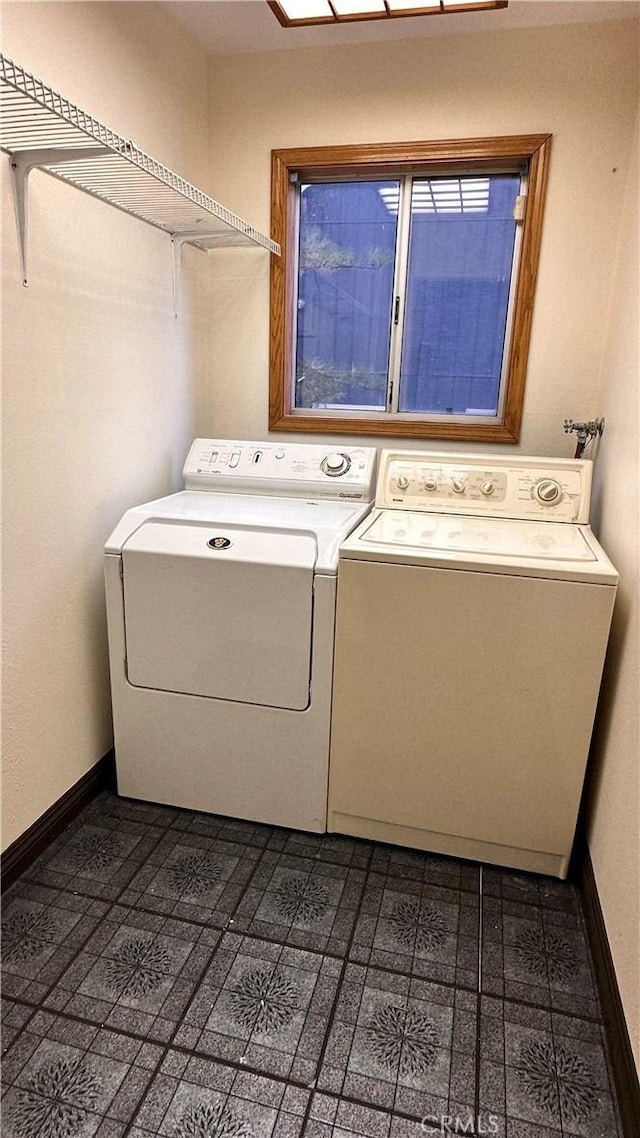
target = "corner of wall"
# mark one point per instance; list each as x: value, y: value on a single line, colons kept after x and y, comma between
x: 613, y: 789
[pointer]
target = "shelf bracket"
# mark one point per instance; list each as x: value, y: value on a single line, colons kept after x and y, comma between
x: 176, y: 268
x: 21, y: 163
x: 177, y: 241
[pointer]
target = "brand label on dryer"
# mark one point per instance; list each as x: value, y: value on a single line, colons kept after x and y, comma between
x: 219, y: 543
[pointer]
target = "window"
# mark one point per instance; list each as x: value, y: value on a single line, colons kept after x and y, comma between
x: 403, y: 299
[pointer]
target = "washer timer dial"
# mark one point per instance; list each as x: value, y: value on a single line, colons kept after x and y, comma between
x: 335, y: 464
x: 548, y: 491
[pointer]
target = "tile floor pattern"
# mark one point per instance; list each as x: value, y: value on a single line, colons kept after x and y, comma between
x: 168, y: 973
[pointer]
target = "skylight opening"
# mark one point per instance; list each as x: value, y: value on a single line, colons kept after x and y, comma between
x: 441, y: 195
x: 301, y: 13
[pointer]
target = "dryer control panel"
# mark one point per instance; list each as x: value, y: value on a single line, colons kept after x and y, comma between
x: 286, y: 469
x: 552, y: 489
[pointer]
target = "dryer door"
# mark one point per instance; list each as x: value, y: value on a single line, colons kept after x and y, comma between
x: 220, y: 612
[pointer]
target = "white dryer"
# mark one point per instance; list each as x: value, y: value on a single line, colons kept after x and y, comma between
x: 221, y: 609
x: 474, y: 607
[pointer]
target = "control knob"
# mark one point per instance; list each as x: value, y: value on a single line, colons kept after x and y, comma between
x: 458, y: 485
x: 431, y: 484
x: 402, y: 481
x: 548, y: 491
x: 487, y: 489
x: 335, y: 464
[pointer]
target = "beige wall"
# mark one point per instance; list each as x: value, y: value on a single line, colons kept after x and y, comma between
x: 614, y: 790
x: 580, y: 83
x: 98, y: 382
x: 577, y: 82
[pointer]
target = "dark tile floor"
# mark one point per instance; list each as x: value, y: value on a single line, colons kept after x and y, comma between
x: 176, y: 974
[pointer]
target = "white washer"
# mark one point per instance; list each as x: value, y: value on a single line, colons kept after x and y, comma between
x: 474, y: 607
x: 221, y: 610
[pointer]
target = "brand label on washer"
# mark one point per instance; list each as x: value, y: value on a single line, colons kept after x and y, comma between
x: 219, y: 543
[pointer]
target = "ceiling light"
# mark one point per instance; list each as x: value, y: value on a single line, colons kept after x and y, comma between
x: 298, y: 13
x: 357, y: 7
x: 397, y: 6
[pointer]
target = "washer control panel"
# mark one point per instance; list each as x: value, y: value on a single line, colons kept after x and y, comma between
x: 490, y: 485
x: 290, y: 469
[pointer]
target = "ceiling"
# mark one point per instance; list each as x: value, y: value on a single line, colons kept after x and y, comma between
x: 233, y: 27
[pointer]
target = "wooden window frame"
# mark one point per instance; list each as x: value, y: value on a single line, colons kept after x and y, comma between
x: 387, y: 160
x: 435, y: 8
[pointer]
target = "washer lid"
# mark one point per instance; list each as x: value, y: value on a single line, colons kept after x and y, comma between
x: 481, y: 535
x: 562, y: 551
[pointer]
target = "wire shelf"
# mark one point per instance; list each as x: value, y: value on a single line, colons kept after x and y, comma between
x: 40, y: 128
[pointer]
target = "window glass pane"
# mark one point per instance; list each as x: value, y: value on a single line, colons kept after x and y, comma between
x: 345, y: 292
x: 460, y: 258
